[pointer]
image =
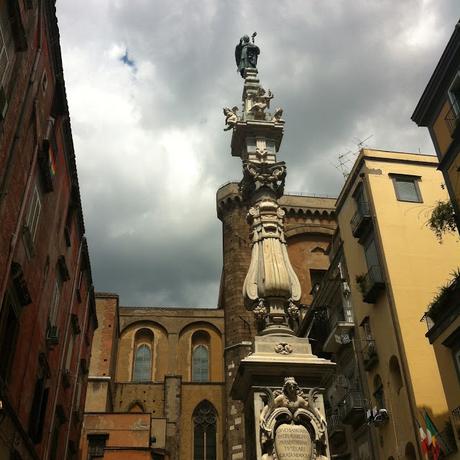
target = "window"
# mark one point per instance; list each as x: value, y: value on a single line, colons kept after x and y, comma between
x: 143, y: 351
x: 9, y: 329
x: 378, y: 392
x: 34, y: 213
x: 456, y: 353
x: 7, y: 52
x: 200, y: 356
x: 370, y: 251
x: 316, y: 276
x: 59, y: 420
x: 200, y: 365
x: 55, y: 300
x: 38, y: 409
x: 406, y: 188
x: 68, y: 358
x: 142, y: 364
x: 204, y: 432
x: 395, y: 374
x: 453, y: 342
x: 96, y: 445
x: 454, y: 93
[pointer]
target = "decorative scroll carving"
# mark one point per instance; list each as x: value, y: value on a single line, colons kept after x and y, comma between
x: 289, y: 414
x: 283, y: 348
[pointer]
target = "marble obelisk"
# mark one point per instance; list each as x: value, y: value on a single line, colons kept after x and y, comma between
x: 281, y: 381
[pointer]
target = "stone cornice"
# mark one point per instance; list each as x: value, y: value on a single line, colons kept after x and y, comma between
x: 310, y: 206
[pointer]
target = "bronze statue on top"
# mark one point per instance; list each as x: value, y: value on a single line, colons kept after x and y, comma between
x: 246, y: 53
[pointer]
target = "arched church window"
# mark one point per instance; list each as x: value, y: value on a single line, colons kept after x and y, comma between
x: 204, y: 432
x: 200, y: 356
x: 142, y: 364
x: 142, y: 355
x: 200, y: 364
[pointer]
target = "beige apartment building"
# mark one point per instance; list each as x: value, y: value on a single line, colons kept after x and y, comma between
x: 439, y: 111
x: 395, y: 265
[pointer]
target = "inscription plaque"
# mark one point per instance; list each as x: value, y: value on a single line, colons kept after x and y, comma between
x: 293, y: 442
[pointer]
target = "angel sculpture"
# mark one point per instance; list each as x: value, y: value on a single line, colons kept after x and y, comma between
x: 261, y: 101
x: 277, y: 115
x: 230, y: 117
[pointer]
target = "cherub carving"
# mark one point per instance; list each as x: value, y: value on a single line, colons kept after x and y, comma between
x: 291, y: 406
x: 230, y: 117
x: 261, y: 101
x: 291, y: 396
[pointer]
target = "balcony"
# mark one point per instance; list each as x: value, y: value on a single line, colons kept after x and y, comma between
x: 370, y: 356
x: 341, y: 331
x: 352, y: 409
x: 361, y: 222
x: 452, y: 119
x: 371, y: 284
x: 336, y: 432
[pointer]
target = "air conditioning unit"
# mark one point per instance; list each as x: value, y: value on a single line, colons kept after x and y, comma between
x: 381, y: 417
x: 377, y: 417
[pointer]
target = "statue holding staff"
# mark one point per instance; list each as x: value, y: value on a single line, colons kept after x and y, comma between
x: 246, y: 54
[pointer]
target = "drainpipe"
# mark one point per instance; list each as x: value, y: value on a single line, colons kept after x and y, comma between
x: 10, y: 155
x: 64, y: 348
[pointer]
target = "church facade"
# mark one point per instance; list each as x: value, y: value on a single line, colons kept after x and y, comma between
x: 160, y: 378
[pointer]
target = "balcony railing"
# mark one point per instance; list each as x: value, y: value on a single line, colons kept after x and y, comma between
x: 371, y: 284
x: 370, y: 356
x: 336, y: 431
x: 352, y: 409
x: 340, y: 330
x: 453, y: 121
x: 362, y: 220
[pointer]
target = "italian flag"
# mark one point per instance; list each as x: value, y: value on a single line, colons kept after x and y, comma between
x: 423, y: 441
x: 432, y: 438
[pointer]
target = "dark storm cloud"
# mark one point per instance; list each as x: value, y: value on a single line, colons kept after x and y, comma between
x: 150, y: 146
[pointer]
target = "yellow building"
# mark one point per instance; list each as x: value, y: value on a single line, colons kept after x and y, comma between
x: 439, y: 111
x: 395, y: 265
x: 156, y: 383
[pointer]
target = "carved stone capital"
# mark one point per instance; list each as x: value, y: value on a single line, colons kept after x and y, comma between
x: 262, y: 174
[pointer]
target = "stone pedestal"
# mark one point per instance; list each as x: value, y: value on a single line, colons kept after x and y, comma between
x: 281, y: 385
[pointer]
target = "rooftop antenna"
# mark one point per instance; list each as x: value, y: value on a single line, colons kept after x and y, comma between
x: 344, y: 159
x: 362, y: 143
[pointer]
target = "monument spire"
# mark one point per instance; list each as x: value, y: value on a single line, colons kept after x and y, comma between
x: 282, y: 421
x: 271, y: 288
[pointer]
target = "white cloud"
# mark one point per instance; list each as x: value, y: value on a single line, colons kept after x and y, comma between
x: 148, y: 136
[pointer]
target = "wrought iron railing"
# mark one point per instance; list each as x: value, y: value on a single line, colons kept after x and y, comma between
x: 360, y: 217
x: 371, y: 284
x: 353, y: 406
x: 370, y: 356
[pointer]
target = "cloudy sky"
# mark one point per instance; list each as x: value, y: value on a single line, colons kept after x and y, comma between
x: 146, y: 83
